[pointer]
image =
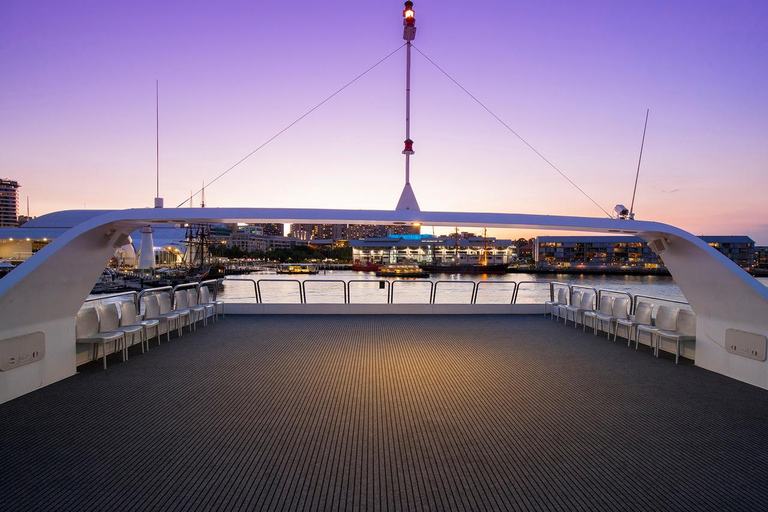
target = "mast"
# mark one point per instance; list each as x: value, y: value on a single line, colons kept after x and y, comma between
x: 407, y: 197
x: 158, y: 199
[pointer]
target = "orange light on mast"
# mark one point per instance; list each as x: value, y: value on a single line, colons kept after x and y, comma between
x: 409, y: 14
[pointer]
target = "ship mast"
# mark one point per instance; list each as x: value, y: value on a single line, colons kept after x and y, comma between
x: 407, y: 197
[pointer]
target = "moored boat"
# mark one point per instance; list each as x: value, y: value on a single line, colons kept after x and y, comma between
x: 367, y: 266
x: 401, y: 270
x: 297, y: 268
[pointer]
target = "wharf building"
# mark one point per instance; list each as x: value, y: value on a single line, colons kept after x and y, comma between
x: 433, y: 250
x: 9, y: 203
x: 761, y: 258
x: 625, y: 253
x: 595, y: 252
x: 739, y: 249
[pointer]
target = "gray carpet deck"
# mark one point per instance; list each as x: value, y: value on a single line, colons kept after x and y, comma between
x: 387, y: 413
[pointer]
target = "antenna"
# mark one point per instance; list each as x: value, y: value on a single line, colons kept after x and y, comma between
x: 158, y: 199
x: 202, y: 200
x: 637, y: 176
x: 27, y: 207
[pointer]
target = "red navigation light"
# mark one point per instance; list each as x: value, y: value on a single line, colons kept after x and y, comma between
x: 409, y: 14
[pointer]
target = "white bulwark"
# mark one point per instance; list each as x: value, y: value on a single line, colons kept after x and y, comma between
x: 44, y: 294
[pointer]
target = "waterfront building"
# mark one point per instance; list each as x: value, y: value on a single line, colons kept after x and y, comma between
x: 433, y: 250
x: 618, y: 252
x: 283, y: 242
x: 248, y: 239
x: 739, y: 249
x: 9, y: 203
x: 562, y: 252
x: 760, y: 258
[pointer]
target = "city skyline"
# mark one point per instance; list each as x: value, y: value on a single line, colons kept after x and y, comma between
x: 574, y: 81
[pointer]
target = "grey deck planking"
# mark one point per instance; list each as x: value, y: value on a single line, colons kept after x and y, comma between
x: 387, y: 413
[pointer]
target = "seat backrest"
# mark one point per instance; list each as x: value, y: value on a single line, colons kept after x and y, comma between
x: 588, y: 301
x: 643, y: 313
x: 127, y: 312
x: 180, y: 299
x: 621, y: 307
x: 87, y: 322
x: 576, y: 298
x: 108, y: 317
x: 686, y: 322
x: 151, y: 307
x: 205, y: 295
x: 164, y: 302
x: 192, y: 297
x: 606, y: 305
x: 666, y: 318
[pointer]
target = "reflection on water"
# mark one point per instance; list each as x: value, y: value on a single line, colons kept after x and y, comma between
x: 365, y: 288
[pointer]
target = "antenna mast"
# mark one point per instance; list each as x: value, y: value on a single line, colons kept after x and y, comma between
x: 158, y: 199
x: 637, y: 176
x: 407, y: 197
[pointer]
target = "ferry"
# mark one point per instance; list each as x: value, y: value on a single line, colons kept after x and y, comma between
x: 401, y: 270
x: 297, y: 268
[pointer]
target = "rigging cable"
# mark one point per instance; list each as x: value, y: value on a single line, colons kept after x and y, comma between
x: 510, y: 129
x: 296, y: 121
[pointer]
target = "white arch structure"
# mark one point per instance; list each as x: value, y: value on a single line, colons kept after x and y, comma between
x: 45, y: 293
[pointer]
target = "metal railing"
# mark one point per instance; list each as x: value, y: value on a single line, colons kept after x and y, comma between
x: 433, y: 298
x: 636, y: 300
x: 304, y: 287
x: 256, y: 293
x: 481, y: 283
x: 382, y: 283
x: 390, y: 288
x: 301, y: 294
x: 521, y: 283
x: 409, y: 282
x: 134, y: 294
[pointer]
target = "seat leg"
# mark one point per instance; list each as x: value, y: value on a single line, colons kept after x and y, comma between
x: 104, y: 350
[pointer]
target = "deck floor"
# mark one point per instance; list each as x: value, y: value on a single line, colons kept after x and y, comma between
x: 387, y: 413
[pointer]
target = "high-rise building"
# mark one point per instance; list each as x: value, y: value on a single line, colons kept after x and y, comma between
x: 9, y: 203
x: 309, y: 232
x: 273, y: 229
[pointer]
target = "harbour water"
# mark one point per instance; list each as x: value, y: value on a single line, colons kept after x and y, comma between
x: 364, y: 287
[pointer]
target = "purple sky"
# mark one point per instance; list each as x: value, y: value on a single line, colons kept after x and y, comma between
x: 77, y: 105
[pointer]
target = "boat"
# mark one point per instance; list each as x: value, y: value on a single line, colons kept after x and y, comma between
x: 368, y: 266
x: 297, y: 268
x: 401, y: 270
